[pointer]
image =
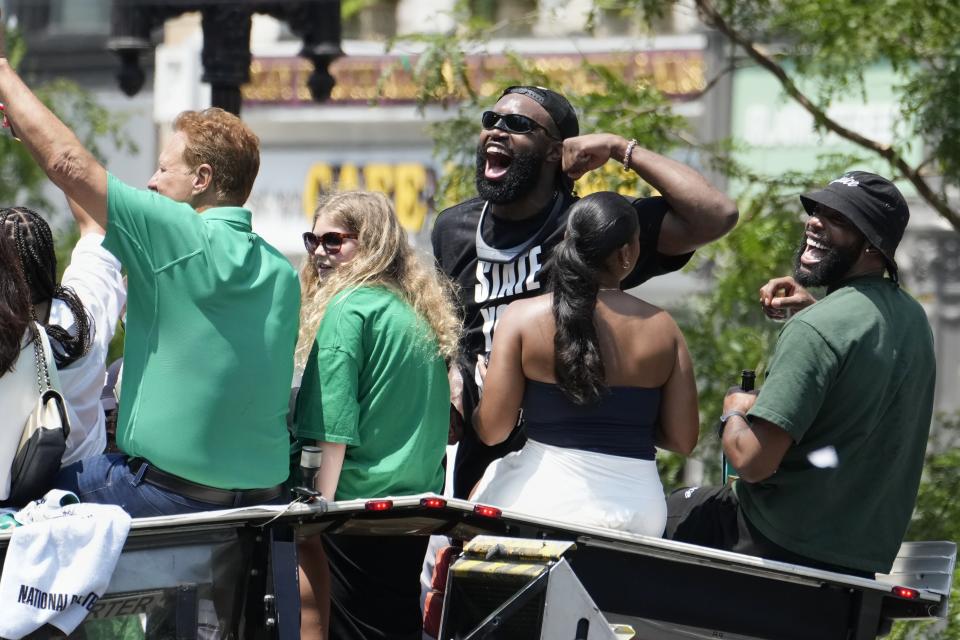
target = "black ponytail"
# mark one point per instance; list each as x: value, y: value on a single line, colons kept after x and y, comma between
x: 34, y: 244
x: 597, y: 225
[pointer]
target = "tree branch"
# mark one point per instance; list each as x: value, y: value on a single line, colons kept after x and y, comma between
x: 715, y: 79
x: 921, y: 168
x: 713, y: 18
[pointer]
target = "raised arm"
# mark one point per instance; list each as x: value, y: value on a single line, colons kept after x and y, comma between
x: 52, y: 144
x: 699, y: 213
x: 85, y: 222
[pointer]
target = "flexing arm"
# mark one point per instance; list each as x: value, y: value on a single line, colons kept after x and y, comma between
x: 679, y: 417
x: 503, y: 386
x: 52, y: 144
x: 754, y: 448
x: 699, y: 213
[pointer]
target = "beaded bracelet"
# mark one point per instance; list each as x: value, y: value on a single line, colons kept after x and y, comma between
x: 628, y: 153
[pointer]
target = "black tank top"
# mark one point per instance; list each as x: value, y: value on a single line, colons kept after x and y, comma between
x: 621, y: 424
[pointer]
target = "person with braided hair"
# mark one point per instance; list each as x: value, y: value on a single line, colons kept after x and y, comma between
x: 603, y: 379
x: 19, y: 388
x: 79, y: 314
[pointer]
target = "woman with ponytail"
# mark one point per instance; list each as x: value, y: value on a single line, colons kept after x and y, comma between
x: 79, y: 315
x: 602, y: 378
x: 377, y: 327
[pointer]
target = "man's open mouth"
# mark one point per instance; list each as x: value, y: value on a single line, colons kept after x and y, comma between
x: 498, y: 162
x: 814, y: 251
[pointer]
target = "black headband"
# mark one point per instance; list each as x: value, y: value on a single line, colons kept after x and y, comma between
x: 557, y: 107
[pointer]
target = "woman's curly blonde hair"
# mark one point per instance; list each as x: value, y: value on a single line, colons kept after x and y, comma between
x: 384, y: 258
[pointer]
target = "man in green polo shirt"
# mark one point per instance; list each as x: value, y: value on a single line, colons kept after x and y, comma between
x: 829, y: 452
x: 212, y: 315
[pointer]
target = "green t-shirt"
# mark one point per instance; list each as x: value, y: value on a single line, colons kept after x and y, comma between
x: 212, y: 319
x: 852, y: 374
x: 376, y: 382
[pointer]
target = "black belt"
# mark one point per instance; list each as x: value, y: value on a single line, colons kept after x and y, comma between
x: 201, y: 492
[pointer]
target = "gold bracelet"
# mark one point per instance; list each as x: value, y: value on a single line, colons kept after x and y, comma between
x: 628, y: 153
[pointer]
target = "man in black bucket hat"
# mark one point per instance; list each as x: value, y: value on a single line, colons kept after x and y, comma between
x: 873, y: 204
x: 494, y: 246
x: 829, y: 451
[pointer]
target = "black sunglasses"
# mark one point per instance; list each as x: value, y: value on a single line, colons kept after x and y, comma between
x: 512, y: 123
x: 332, y: 241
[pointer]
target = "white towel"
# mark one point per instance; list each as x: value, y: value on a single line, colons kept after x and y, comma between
x: 58, y: 564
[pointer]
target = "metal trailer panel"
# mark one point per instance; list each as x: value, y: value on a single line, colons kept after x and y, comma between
x: 629, y: 576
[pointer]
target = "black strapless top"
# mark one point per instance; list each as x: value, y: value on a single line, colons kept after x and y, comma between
x: 621, y: 424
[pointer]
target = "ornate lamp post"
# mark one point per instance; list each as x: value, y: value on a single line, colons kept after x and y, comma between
x: 226, y: 40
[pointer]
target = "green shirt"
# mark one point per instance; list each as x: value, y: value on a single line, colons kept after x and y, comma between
x: 212, y: 318
x: 853, y: 373
x: 375, y: 382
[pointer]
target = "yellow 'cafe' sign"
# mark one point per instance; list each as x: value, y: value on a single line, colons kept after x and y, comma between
x: 411, y: 185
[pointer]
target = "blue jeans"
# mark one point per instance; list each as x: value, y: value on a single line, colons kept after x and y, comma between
x: 107, y: 479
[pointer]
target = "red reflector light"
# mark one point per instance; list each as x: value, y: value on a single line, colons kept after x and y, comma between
x: 487, y: 511
x: 905, y: 592
x: 433, y: 503
x: 378, y: 505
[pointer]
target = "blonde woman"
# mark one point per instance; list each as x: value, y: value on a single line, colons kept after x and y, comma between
x: 377, y: 326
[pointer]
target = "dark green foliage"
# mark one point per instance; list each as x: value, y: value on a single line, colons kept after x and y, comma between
x: 830, y: 44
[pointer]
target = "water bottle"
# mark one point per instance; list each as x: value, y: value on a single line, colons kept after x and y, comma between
x: 310, y: 458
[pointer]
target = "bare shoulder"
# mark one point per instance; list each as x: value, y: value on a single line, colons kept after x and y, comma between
x: 529, y: 308
x: 650, y: 316
x: 522, y: 315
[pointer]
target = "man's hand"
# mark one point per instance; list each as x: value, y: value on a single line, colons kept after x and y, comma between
x: 782, y: 296
x: 756, y: 447
x: 482, y: 363
x: 586, y: 153
x: 738, y: 400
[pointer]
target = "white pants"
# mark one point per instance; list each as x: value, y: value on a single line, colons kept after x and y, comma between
x: 577, y: 486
